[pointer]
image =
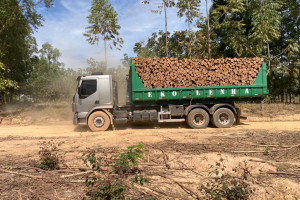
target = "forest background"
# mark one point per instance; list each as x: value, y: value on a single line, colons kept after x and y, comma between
x: 229, y: 28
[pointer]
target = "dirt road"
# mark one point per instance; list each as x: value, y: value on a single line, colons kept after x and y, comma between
x: 68, y: 129
x: 197, y: 149
x: 123, y: 136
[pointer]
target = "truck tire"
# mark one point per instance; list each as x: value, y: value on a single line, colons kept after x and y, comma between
x: 223, y: 118
x: 98, y: 121
x: 198, y: 118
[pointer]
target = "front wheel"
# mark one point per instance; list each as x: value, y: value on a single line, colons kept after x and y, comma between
x: 223, y: 118
x: 198, y: 118
x: 98, y: 121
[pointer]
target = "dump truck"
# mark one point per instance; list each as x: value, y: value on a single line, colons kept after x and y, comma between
x: 95, y: 102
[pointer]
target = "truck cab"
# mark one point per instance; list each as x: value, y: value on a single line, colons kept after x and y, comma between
x: 94, y: 94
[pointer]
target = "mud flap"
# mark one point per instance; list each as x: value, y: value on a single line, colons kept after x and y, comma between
x: 238, y: 116
x: 111, y: 118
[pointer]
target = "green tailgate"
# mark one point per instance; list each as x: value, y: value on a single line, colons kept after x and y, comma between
x: 230, y: 93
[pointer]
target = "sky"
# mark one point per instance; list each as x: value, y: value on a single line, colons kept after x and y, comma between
x: 65, y: 24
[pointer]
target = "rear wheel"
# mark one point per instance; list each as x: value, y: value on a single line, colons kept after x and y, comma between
x: 223, y: 118
x: 98, y: 121
x: 198, y: 118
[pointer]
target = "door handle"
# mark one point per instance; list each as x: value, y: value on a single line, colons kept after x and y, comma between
x: 97, y: 102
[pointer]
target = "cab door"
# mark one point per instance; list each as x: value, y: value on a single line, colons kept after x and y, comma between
x: 87, y: 95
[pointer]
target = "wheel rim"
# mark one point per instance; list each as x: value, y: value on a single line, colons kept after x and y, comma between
x: 198, y: 119
x: 99, y: 122
x: 224, y: 119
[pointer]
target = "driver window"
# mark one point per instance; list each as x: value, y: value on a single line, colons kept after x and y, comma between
x: 88, y: 87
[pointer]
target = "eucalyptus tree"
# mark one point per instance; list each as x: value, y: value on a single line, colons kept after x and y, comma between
x: 191, y: 10
x: 208, y: 29
x: 153, y: 47
x: 285, y: 51
x: 164, y: 5
x: 266, y: 21
x: 103, y: 20
x: 227, y: 23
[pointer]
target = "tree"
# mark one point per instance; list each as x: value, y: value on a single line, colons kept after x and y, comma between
x: 18, y: 20
x: 165, y: 4
x: 95, y: 66
x: 125, y: 60
x: 154, y: 46
x: 208, y: 29
x: 229, y: 27
x: 103, y: 20
x: 10, y: 11
x: 50, y: 55
x: 177, y: 42
x: 47, y: 74
x: 265, y: 23
x: 286, y: 56
x: 6, y: 83
x: 264, y: 28
x: 189, y: 9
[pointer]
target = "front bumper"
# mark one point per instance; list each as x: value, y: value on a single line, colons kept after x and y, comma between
x: 80, y: 118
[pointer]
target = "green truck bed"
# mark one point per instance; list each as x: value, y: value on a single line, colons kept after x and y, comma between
x: 142, y: 95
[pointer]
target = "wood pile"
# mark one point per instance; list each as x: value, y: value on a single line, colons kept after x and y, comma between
x: 173, y: 73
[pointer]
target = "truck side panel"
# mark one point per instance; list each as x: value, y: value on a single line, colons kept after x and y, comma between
x: 230, y: 93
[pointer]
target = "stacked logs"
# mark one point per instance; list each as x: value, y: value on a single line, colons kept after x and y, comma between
x: 173, y: 73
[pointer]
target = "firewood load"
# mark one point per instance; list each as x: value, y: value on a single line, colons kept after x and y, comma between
x: 173, y: 73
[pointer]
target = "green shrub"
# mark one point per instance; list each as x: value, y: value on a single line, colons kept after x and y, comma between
x: 49, y: 156
x: 127, y: 161
x: 226, y: 186
x: 109, y: 178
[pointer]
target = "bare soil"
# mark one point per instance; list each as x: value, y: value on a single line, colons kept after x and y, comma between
x: 269, y: 149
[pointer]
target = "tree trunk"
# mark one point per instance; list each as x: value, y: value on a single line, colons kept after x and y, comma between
x: 262, y: 108
x: 299, y: 81
x: 7, y: 99
x: 189, y: 28
x: 269, y: 57
x: 166, y: 28
x: 268, y: 46
x: 298, y: 34
x: 208, y: 29
x: 105, y: 53
x: 189, y: 44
